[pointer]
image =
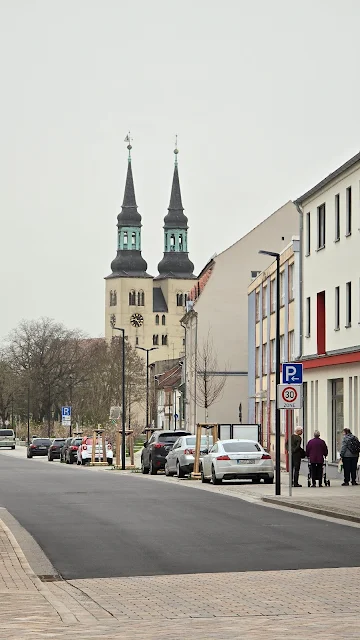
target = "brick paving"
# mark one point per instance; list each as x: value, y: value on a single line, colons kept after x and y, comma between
x: 225, y: 606
x: 343, y: 507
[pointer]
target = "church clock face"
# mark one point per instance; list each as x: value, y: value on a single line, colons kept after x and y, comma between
x: 137, y: 320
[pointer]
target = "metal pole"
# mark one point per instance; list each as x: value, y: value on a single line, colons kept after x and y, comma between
x: 49, y: 412
x: 277, y: 381
x: 123, y: 425
x: 175, y: 409
x: 12, y: 411
x: 28, y: 416
x: 290, y: 430
x: 147, y: 388
x: 70, y: 434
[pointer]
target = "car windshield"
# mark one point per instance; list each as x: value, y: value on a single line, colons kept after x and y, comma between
x: 6, y: 432
x: 168, y: 437
x: 41, y: 441
x: 205, y: 440
x: 59, y: 440
x: 241, y: 447
x: 77, y: 441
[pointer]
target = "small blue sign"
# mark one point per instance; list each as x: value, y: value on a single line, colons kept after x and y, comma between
x: 65, y: 412
x: 292, y: 373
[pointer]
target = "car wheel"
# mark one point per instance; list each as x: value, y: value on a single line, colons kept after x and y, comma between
x: 50, y: 459
x: 153, y: 470
x: 203, y: 479
x: 256, y: 480
x: 78, y: 462
x: 13, y: 447
x: 144, y: 469
x: 28, y: 455
x: 67, y: 460
x: 83, y: 462
x: 167, y: 470
x: 179, y: 471
x: 269, y: 480
x: 109, y: 461
x: 214, y: 479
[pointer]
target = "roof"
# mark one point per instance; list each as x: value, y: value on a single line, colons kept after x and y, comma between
x: 129, y: 216
x: 175, y: 218
x: 329, y: 178
x: 159, y: 302
x: 171, y: 378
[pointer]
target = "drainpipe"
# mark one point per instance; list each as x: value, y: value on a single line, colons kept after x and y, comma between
x: 196, y: 350
x: 185, y: 370
x: 301, y: 303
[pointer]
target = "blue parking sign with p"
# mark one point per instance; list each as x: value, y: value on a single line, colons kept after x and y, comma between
x: 66, y: 412
x: 292, y: 373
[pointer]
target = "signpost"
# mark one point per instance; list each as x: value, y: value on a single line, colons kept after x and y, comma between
x: 289, y: 397
x: 65, y: 416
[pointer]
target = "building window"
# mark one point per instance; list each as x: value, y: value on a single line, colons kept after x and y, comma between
x: 164, y: 341
x: 132, y: 298
x: 163, y: 320
x: 155, y: 340
x: 308, y: 231
x: 264, y: 305
x: 272, y: 355
x: 179, y: 299
x: 348, y: 304
x: 257, y: 362
x: 112, y: 320
x: 272, y: 295
x: 112, y: 294
x: 282, y: 348
x: 257, y: 306
x: 348, y: 211
x: 264, y: 359
x: 321, y: 323
x: 125, y: 241
x: 291, y: 281
x: 136, y: 341
x: 133, y: 240
x: 172, y: 242
x: 180, y: 242
x: 291, y: 346
x: 307, y: 318
x: 282, y: 288
x: 321, y: 226
x: 157, y: 319
x: 337, y: 308
x: 141, y: 298
x: 337, y: 217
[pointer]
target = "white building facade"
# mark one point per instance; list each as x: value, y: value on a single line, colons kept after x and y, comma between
x: 330, y: 332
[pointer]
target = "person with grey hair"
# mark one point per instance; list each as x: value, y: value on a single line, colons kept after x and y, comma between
x: 349, y: 454
x: 316, y: 451
x: 297, y: 454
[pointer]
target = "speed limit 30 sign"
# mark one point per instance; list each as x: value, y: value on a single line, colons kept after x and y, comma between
x: 289, y: 396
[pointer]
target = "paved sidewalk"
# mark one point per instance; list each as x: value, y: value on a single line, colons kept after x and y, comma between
x: 248, y: 606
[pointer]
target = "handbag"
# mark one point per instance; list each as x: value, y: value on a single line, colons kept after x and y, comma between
x: 302, y: 453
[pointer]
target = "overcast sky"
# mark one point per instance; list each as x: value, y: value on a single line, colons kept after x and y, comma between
x: 264, y: 96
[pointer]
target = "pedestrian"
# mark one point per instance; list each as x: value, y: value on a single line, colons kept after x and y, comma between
x: 316, y: 451
x: 349, y: 455
x: 297, y: 454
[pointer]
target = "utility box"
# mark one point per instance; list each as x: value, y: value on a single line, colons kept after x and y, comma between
x: 239, y: 432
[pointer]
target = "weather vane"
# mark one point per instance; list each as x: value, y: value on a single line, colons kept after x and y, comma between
x: 176, y: 150
x: 128, y: 139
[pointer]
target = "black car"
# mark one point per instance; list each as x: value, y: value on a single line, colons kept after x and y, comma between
x: 38, y: 447
x: 153, y: 456
x: 55, y: 448
x: 63, y: 449
x: 69, y: 450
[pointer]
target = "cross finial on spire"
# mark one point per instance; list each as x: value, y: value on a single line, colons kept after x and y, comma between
x: 128, y: 139
x: 176, y: 151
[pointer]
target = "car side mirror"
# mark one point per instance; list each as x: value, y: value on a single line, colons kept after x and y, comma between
x: 145, y: 444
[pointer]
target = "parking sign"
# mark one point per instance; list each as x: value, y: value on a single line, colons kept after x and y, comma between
x: 292, y: 373
x: 65, y: 416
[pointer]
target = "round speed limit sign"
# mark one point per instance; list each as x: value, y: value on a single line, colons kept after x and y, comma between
x: 289, y: 394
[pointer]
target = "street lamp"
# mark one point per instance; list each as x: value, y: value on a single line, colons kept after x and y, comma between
x: 275, y: 255
x: 147, y: 380
x: 123, y: 424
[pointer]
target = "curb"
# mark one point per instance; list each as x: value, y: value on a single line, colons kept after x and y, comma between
x: 321, y: 511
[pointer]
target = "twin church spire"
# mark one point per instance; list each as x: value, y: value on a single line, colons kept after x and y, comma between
x: 129, y: 261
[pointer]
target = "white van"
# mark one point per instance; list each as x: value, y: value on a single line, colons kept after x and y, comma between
x: 7, y: 438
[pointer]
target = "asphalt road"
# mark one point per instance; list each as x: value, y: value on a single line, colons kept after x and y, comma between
x: 93, y: 523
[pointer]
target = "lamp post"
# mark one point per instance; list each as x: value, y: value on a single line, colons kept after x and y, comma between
x: 28, y: 414
x: 276, y: 255
x: 71, y: 376
x: 123, y: 423
x: 12, y: 412
x: 147, y: 380
x: 49, y: 410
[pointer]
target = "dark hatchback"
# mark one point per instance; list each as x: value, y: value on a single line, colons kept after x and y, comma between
x: 38, y: 447
x: 69, y: 450
x: 55, y: 448
x: 153, y: 456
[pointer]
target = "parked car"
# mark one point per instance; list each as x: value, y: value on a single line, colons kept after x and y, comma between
x: 55, y: 448
x: 180, y: 460
x: 7, y: 438
x: 66, y: 444
x: 153, y: 455
x: 69, y: 451
x: 38, y: 447
x: 237, y: 460
x: 84, y: 452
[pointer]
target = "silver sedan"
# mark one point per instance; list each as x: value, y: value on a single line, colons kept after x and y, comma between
x: 180, y: 460
x: 237, y: 460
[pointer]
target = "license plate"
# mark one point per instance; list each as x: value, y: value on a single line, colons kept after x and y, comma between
x: 243, y: 461
x: 42, y: 447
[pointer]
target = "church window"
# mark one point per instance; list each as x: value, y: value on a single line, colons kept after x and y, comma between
x: 163, y: 320
x: 185, y: 299
x: 125, y: 239
x: 136, y: 340
x: 114, y: 299
x: 111, y: 298
x: 112, y: 320
x: 141, y: 298
x: 179, y: 299
x: 157, y: 319
x: 155, y: 340
x: 132, y: 298
x: 172, y: 242
x: 164, y: 340
x: 180, y: 242
x: 133, y: 240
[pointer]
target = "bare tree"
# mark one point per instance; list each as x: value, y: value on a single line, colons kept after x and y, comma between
x: 210, y: 381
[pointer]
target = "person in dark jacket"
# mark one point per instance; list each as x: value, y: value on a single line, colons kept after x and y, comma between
x: 316, y: 451
x: 349, y: 459
x: 297, y: 454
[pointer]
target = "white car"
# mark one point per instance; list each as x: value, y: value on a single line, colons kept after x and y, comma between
x: 237, y: 460
x: 180, y: 459
x: 84, y: 452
